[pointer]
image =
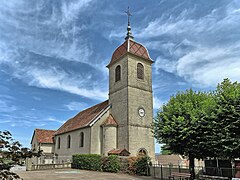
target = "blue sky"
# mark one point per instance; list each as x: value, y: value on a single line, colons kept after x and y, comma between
x: 53, y: 53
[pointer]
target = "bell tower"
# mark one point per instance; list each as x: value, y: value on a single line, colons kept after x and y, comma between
x: 130, y: 95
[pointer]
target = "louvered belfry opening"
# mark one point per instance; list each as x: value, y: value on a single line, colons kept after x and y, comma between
x: 118, y: 73
x: 140, y: 71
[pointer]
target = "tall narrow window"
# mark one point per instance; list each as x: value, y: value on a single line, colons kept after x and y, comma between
x: 59, y: 143
x: 140, y: 71
x: 81, y: 139
x: 68, y: 141
x: 118, y: 73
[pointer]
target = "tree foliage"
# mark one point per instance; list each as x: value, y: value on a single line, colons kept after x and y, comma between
x: 227, y: 119
x: 165, y: 150
x: 202, y: 124
x: 182, y: 123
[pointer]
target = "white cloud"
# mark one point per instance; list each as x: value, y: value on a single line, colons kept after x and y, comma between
x: 57, y: 30
x: 71, y: 10
x: 157, y: 103
x: 52, y: 77
x: 76, y: 106
x: 210, y: 66
x: 53, y: 119
x: 67, y: 42
x: 60, y: 80
x: 203, y: 50
x: 29, y: 119
x: 167, y: 65
x: 6, y: 107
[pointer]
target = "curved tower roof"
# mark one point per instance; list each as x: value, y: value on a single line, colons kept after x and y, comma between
x: 130, y: 46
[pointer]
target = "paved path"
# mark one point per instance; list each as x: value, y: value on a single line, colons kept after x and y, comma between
x: 73, y: 174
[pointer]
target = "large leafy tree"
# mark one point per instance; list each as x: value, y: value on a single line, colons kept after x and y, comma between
x: 227, y: 119
x: 183, y: 125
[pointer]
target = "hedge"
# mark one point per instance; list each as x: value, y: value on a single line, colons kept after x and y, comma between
x: 112, y: 163
x: 87, y: 161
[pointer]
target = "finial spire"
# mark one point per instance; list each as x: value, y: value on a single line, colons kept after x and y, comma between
x: 129, y: 33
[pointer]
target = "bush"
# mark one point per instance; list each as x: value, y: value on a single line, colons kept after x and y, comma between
x: 87, y: 161
x: 4, y: 166
x: 111, y: 163
x: 124, y: 164
x: 6, y: 175
x: 131, y: 165
x: 141, y: 165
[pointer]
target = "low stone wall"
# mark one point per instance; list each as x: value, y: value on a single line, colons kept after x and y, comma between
x: 30, y: 166
x: 49, y: 166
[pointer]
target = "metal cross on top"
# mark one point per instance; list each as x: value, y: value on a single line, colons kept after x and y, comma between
x: 129, y: 33
x: 128, y: 14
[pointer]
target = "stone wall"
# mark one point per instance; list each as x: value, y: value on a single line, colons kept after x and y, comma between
x: 64, y: 154
x: 127, y: 96
x: 118, y: 97
x: 109, y: 139
x: 97, y: 135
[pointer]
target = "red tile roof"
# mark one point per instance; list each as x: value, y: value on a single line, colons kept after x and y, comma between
x: 44, y: 136
x: 110, y: 121
x: 84, y: 118
x: 131, y: 47
x: 169, y: 159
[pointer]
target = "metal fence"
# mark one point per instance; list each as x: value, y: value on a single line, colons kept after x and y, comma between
x: 223, y: 172
x: 163, y: 172
x: 160, y: 171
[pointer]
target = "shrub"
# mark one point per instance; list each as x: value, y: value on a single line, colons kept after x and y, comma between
x: 124, y: 164
x: 6, y: 175
x: 141, y: 165
x: 87, y: 161
x: 111, y: 163
x: 131, y: 165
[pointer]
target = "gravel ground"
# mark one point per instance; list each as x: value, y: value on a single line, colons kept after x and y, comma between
x: 75, y: 174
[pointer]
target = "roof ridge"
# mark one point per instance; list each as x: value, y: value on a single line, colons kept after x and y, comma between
x: 83, y: 118
x: 88, y: 108
x: 45, y: 129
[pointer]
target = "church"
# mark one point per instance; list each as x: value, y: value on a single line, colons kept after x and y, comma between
x: 120, y: 125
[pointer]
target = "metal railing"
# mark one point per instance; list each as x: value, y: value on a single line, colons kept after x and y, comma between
x: 161, y: 171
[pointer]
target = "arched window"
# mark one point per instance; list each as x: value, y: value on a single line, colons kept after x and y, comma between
x: 140, y: 71
x: 81, y: 139
x: 118, y: 73
x: 59, y: 143
x: 68, y: 141
x: 142, y: 152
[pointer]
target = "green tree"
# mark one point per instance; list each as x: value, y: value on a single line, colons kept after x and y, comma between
x: 183, y: 125
x: 227, y: 119
x: 165, y: 150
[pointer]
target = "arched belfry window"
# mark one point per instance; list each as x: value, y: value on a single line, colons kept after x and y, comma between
x: 59, y: 143
x: 140, y: 71
x: 118, y: 73
x: 81, y: 139
x: 142, y: 152
x: 68, y: 141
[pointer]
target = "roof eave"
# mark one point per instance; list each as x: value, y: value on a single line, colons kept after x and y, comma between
x: 97, y: 117
x: 121, y: 57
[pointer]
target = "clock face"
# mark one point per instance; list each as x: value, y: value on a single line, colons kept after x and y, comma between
x: 141, y: 112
